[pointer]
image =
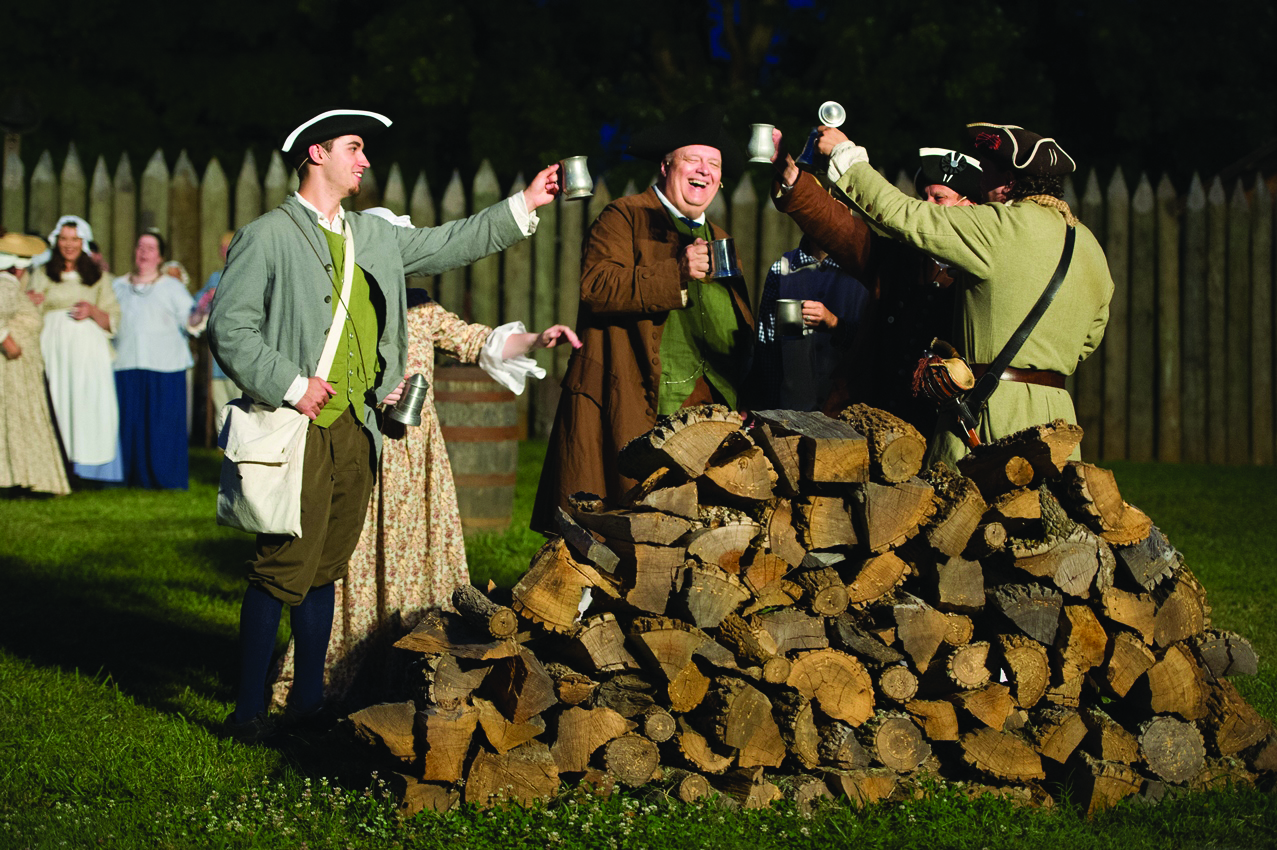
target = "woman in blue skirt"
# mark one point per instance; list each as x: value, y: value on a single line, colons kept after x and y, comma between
x: 152, y: 356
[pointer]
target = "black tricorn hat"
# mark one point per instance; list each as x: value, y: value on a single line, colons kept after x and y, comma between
x: 331, y: 124
x: 959, y: 172
x: 1020, y: 149
x: 700, y: 125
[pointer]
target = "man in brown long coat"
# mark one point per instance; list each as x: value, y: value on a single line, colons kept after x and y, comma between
x: 656, y: 334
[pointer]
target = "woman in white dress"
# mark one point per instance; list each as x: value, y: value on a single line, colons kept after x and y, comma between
x: 80, y: 317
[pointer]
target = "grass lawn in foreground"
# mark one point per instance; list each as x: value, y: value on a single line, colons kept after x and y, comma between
x: 117, y: 635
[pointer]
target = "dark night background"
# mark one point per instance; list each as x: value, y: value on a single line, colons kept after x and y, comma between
x: 1167, y: 87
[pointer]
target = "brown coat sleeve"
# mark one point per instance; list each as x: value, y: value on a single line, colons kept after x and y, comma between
x: 831, y: 224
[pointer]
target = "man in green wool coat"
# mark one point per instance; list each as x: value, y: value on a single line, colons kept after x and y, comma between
x: 271, y: 317
x: 1005, y: 252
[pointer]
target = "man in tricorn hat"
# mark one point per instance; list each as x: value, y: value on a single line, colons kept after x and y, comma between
x: 271, y: 317
x: 1004, y: 254
x: 656, y: 335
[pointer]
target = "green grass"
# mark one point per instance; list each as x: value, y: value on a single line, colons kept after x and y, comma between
x: 117, y: 634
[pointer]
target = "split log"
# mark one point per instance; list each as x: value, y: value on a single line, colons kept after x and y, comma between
x: 524, y: 775
x: 968, y: 666
x: 1001, y: 755
x: 1177, y: 685
x: 824, y: 522
x: 897, y: 683
x: 1081, y: 642
x: 658, y: 492
x: 1128, y: 660
x: 709, y: 595
x: 877, y: 576
x: 748, y: 787
x: 1182, y: 611
x: 742, y: 719
x: 1070, y: 563
x: 1033, y: 609
x: 448, y: 685
x: 780, y: 534
x: 959, y: 509
x: 755, y: 646
x: 585, y: 544
x: 1149, y: 561
x: 1027, y: 668
x: 685, y: 785
x: 628, y: 694
x: 1108, y: 740
x: 864, y: 645
x: 1230, y: 722
x: 503, y: 735
x: 990, y: 705
x: 1046, y: 448
x: 794, y: 716
x: 864, y: 787
x: 601, y: 644
x: 920, y: 630
x: 481, y: 612
x: 960, y: 631
x: 955, y: 584
x: 1103, y: 784
x: 1134, y: 610
x: 631, y: 758
x: 441, y: 632
x: 1019, y: 512
x: 823, y: 588
x: 838, y: 684
x: 745, y: 477
x: 519, y: 687
x: 415, y: 796
x: 807, y: 792
x: 1059, y: 733
x: 684, y: 440
x: 761, y: 571
x: 652, y: 572
x: 723, y: 546
x: 571, y: 687
x: 781, y: 448
x: 839, y: 747
x: 550, y: 591
x: 989, y: 538
x: 652, y: 527
x: 1172, y: 748
x: 896, y: 449
x: 891, y: 515
x: 1225, y: 654
x: 696, y: 750
x: 830, y: 452
x: 668, y: 646
x: 389, y: 727
x: 657, y: 724
x: 1221, y: 774
x: 445, y: 736
x: 938, y: 719
x: 1093, y: 496
x: 894, y: 741
x: 1263, y: 756
x: 792, y: 630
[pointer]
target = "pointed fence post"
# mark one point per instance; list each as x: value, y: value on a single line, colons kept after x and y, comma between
x: 215, y: 214
x: 275, y: 186
x: 1169, y: 364
x: 745, y: 232
x: 15, y: 194
x: 123, y: 217
x: 248, y: 192
x: 1261, y: 329
x: 1088, y: 380
x: 1194, y: 323
x: 1237, y: 354
x: 1117, y: 248
x: 184, y: 222
x: 154, y: 207
x: 394, y: 198
x: 43, y: 213
x: 485, y: 274
x: 544, y: 313
x: 422, y: 211
x: 1216, y: 324
x: 73, y: 188
x: 452, y: 284
x: 516, y: 302
x: 1142, y: 354
x: 102, y: 206
x: 369, y: 192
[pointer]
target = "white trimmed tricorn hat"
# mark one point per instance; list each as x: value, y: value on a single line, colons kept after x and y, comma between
x: 959, y: 172
x: 334, y: 123
x: 1020, y: 149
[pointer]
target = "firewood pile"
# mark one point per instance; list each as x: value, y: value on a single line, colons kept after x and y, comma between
x: 792, y: 606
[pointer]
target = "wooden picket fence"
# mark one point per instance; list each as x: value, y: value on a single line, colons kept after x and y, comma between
x: 1185, y: 372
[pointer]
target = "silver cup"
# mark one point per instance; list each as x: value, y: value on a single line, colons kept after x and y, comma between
x: 830, y: 114
x: 761, y: 147
x: 575, y: 179
x: 408, y: 409
x: 789, y: 317
x: 722, y: 259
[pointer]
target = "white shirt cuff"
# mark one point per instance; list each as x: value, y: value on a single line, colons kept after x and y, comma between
x: 4, y: 334
x: 297, y: 389
x: 843, y: 157
x: 525, y: 218
x: 511, y: 373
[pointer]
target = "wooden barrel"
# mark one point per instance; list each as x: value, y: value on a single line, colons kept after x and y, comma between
x: 480, y: 427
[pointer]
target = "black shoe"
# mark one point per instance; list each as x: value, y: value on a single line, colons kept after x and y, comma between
x: 310, y: 724
x: 252, y: 731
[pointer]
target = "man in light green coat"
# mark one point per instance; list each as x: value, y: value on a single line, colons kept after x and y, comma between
x: 272, y: 314
x: 1006, y: 251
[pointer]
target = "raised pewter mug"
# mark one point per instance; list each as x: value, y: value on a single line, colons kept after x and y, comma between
x: 574, y: 176
x: 761, y: 147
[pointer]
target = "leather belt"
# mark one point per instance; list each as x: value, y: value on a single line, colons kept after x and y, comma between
x: 1041, y: 377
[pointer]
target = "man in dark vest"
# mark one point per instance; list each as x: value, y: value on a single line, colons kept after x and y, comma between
x: 270, y: 319
x: 656, y: 335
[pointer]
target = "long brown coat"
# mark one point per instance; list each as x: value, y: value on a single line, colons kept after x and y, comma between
x: 629, y: 283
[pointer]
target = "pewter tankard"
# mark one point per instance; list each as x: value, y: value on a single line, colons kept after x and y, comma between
x: 575, y: 178
x: 408, y: 409
x: 722, y: 259
x: 830, y: 114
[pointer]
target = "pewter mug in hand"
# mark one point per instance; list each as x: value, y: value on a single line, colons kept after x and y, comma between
x: 575, y: 177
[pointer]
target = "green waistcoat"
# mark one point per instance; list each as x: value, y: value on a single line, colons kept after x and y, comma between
x: 698, y: 339
x: 354, y: 369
